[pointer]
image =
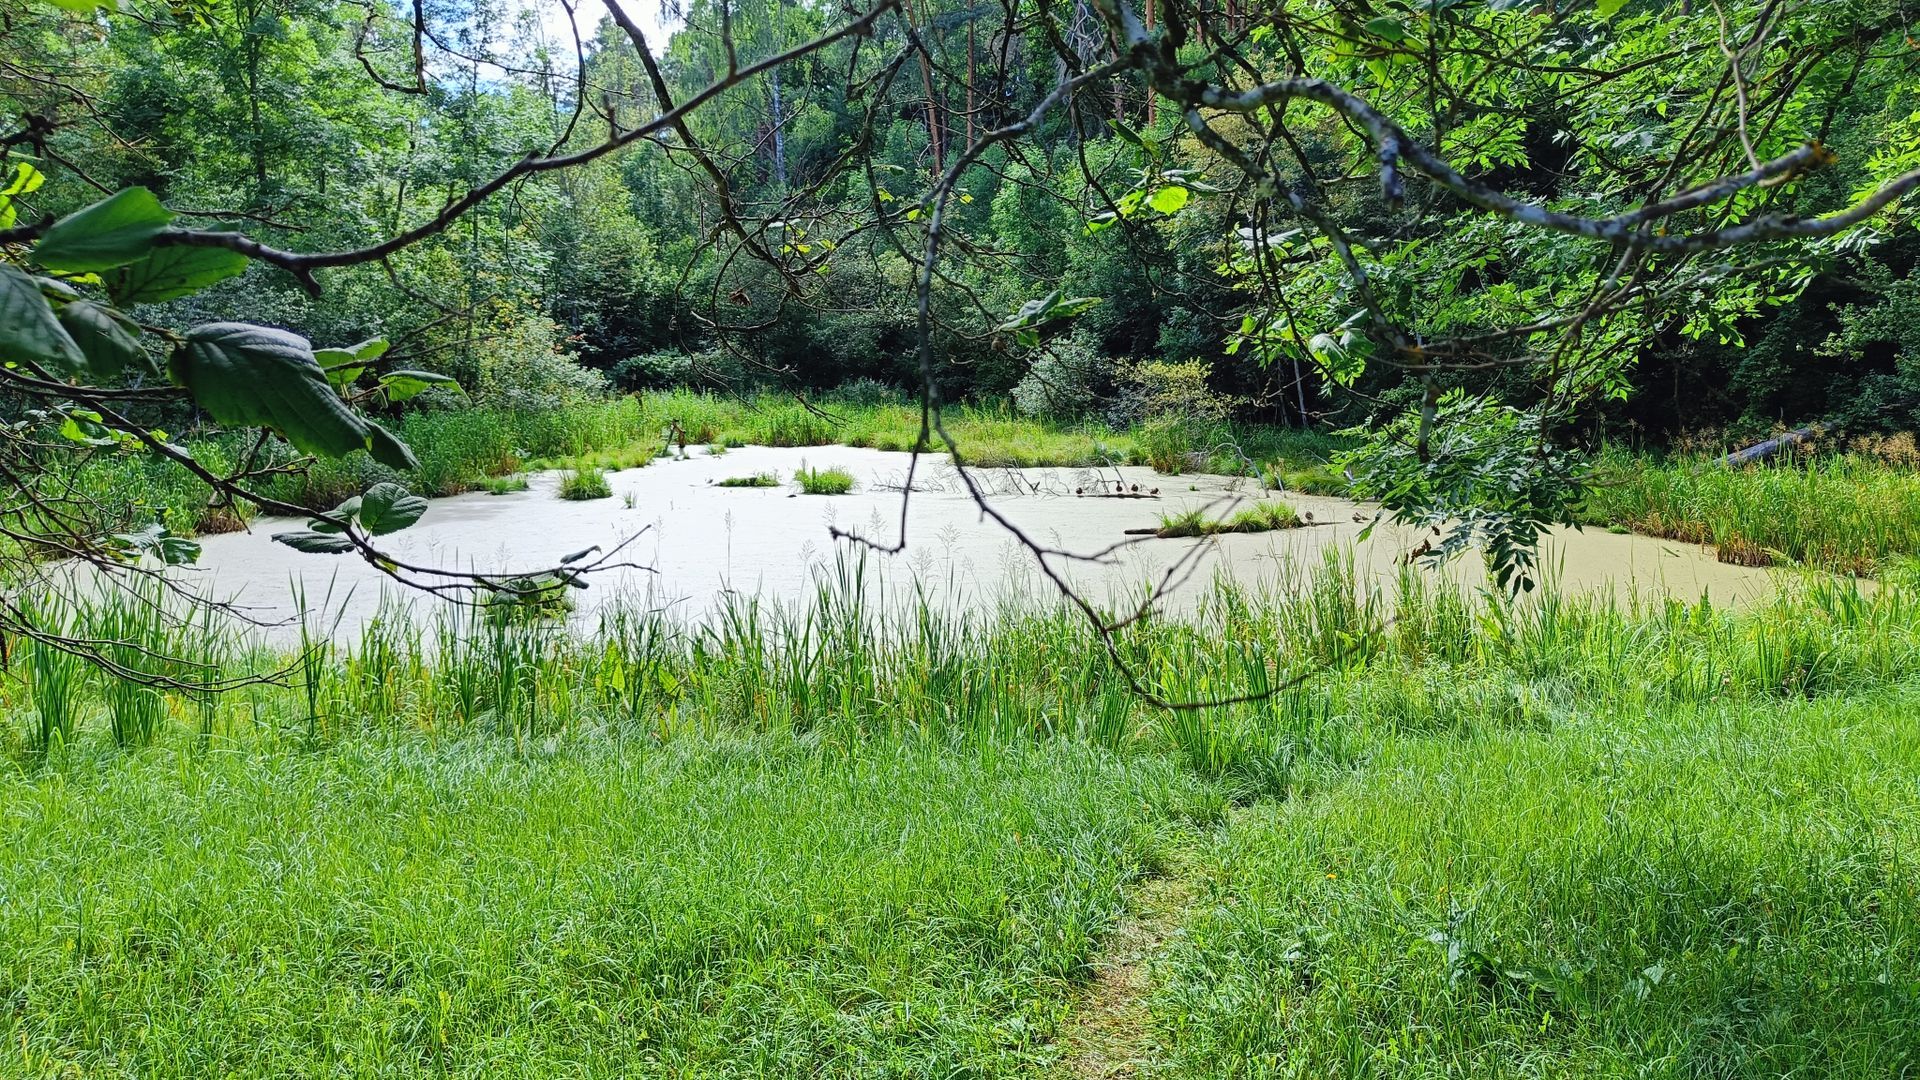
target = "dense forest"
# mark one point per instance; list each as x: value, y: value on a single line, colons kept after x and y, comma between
x: 328, y: 127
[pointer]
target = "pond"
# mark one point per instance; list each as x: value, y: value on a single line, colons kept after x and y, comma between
x: 705, y: 542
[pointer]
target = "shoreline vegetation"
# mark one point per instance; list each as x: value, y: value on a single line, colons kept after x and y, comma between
x: 756, y: 844
x: 1854, y: 513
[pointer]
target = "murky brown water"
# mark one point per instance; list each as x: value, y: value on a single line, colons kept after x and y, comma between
x: 704, y: 541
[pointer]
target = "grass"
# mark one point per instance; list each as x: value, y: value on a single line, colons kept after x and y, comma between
x: 503, y: 485
x: 756, y: 480
x: 1257, y: 518
x: 990, y: 434
x: 1844, y: 513
x: 828, y: 481
x: 855, y: 837
x: 580, y: 485
x: 755, y: 906
x: 1715, y: 889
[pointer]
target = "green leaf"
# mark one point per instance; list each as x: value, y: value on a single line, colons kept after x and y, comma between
x: 389, y: 508
x: 346, y: 511
x: 29, y: 330
x: 156, y: 540
x: 109, y: 340
x: 113, y: 232
x: 1033, y: 313
x: 405, y: 385
x: 1389, y: 28
x: 81, y: 6
x: 256, y: 375
x: 314, y: 543
x: 368, y: 350
x: 172, y: 272
x: 1609, y: 8
x: 1169, y: 199
x: 389, y: 450
x: 343, y: 365
x: 26, y: 180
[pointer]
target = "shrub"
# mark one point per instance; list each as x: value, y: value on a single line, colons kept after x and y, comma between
x: 501, y: 485
x: 580, y: 485
x: 652, y: 371
x: 1066, y: 380
x: 868, y: 393
x: 757, y: 480
x: 824, y: 481
x: 1258, y: 518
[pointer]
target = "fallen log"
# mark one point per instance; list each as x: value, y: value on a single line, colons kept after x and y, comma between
x: 1768, y: 447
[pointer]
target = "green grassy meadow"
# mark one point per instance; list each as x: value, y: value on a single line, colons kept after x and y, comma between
x: 858, y: 838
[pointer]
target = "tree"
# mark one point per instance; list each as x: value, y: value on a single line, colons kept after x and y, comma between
x: 1474, y: 213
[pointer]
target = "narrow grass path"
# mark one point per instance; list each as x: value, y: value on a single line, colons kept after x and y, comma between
x: 1110, y: 1034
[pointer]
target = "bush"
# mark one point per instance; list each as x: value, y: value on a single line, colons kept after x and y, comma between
x: 583, y: 484
x: 1149, y: 390
x: 1066, y: 380
x: 868, y: 393
x: 521, y: 366
x: 824, y: 481
x: 652, y: 371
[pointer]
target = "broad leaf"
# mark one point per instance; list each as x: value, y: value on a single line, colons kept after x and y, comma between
x: 256, y: 375
x: 368, y: 350
x: 110, y: 233
x: 1169, y: 199
x: 404, y: 385
x: 109, y: 340
x: 389, y: 508
x: 29, y: 330
x: 343, y: 365
x: 157, y: 541
x: 389, y: 450
x: 344, y: 512
x: 1390, y: 28
x: 171, y: 272
x: 315, y: 543
x: 26, y: 180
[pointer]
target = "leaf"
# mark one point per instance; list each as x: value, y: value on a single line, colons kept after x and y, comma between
x: 26, y: 180
x: 368, y: 350
x: 1609, y: 8
x: 1389, y: 28
x: 388, y: 507
x: 109, y: 340
x: 256, y: 375
x: 29, y: 330
x: 578, y: 555
x: 156, y: 540
x: 405, y: 385
x: 344, y: 512
x: 172, y: 272
x: 1169, y: 199
x: 388, y: 450
x: 314, y: 543
x: 344, y: 364
x: 112, y: 232
x: 1049, y: 307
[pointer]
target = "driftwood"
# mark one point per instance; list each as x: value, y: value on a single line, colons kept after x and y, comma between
x: 1768, y: 447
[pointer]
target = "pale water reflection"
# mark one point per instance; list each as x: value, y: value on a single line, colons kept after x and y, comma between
x: 705, y: 542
